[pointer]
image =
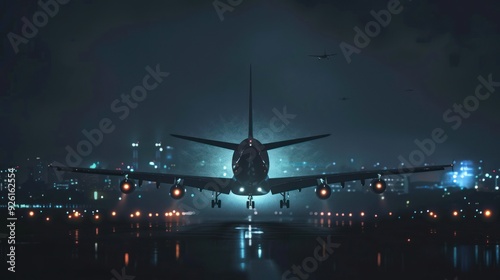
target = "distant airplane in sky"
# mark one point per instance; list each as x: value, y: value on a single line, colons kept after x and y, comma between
x: 323, y: 56
x: 250, y: 166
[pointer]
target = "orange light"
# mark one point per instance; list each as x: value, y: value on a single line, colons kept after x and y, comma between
x: 379, y: 186
x: 323, y: 192
x: 177, y: 214
x: 487, y: 213
x: 362, y: 214
x: 77, y: 214
x: 69, y: 216
x: 113, y: 213
x: 31, y: 213
x: 177, y: 192
x: 435, y: 216
x: 156, y: 214
x: 126, y: 187
x: 131, y: 215
x: 390, y: 213
x: 137, y: 213
x: 47, y: 219
x: 455, y: 213
x: 151, y: 215
x: 96, y: 217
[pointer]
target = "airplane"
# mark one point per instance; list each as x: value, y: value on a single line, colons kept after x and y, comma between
x: 250, y: 166
x: 322, y: 56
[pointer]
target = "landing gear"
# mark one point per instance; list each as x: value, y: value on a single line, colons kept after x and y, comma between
x: 250, y: 202
x: 284, y: 201
x: 216, y: 201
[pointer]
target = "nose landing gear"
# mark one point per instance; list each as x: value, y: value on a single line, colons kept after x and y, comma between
x: 285, y: 201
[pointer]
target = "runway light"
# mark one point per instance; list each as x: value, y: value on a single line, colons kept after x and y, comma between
x: 177, y: 214
x: 131, y: 215
x: 137, y: 213
x: 113, y: 213
x: 362, y: 214
x: 455, y: 213
x: 166, y: 214
x: 322, y: 213
x: 156, y: 214
x: 96, y: 217
x: 47, y: 219
x: 150, y: 215
x: 31, y: 213
x: 69, y: 216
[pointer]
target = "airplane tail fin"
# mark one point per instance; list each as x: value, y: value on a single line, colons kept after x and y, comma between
x: 225, y: 145
x: 250, y: 117
x: 280, y: 144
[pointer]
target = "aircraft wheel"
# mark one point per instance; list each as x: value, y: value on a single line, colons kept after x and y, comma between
x: 288, y: 204
x: 219, y: 203
x: 248, y: 204
x: 253, y: 204
x: 281, y: 203
x: 213, y: 203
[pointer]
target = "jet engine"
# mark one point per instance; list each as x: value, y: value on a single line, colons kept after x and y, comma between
x: 378, y: 186
x: 177, y: 191
x: 127, y: 186
x: 323, y: 191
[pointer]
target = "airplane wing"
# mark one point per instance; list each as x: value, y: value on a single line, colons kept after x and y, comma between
x: 222, y: 185
x: 279, y: 185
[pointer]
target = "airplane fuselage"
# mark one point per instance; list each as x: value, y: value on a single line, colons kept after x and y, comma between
x: 250, y: 165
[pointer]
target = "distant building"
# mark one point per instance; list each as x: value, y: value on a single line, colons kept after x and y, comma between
x: 464, y: 175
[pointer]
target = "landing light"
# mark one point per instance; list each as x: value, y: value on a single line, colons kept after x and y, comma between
x: 259, y: 189
x: 242, y: 189
x: 487, y: 213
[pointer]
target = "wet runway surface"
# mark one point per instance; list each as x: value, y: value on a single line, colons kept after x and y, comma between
x: 267, y: 249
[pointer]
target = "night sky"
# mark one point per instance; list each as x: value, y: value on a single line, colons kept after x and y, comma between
x: 399, y: 86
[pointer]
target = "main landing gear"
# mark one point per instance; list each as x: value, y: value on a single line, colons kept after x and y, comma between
x: 284, y: 201
x: 216, y: 201
x: 250, y: 202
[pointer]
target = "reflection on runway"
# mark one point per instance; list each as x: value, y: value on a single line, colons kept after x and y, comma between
x: 259, y: 250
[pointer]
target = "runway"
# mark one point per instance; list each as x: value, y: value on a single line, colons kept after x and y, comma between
x: 276, y: 248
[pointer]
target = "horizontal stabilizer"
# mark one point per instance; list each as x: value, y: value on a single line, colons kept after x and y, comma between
x: 226, y: 145
x: 280, y: 144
